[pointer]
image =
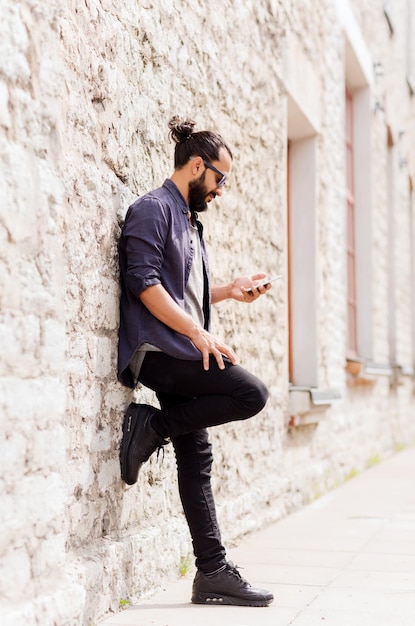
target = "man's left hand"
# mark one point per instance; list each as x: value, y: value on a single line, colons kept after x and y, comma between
x: 249, y: 288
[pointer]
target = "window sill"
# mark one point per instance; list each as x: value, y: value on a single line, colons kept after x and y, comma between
x: 307, y: 405
x: 400, y: 373
x: 361, y: 372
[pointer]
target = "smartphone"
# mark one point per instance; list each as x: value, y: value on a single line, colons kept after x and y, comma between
x: 266, y: 281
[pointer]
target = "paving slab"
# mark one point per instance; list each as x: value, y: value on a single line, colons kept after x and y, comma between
x: 348, y: 559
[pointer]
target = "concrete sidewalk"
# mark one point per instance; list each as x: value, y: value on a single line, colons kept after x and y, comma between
x: 346, y: 560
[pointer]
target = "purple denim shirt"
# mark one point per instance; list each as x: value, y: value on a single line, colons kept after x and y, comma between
x: 156, y: 248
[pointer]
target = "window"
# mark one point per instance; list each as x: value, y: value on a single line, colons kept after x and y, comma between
x: 391, y: 248
x: 358, y: 203
x: 359, y: 224
x: 410, y: 25
x: 400, y: 261
x: 351, y: 229
x: 412, y: 252
x: 301, y: 236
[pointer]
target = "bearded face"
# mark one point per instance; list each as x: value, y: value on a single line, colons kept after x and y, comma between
x: 198, y: 193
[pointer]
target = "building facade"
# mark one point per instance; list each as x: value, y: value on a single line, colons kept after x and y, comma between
x: 317, y: 100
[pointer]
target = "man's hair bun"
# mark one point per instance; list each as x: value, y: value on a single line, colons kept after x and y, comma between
x: 203, y: 143
x: 181, y: 129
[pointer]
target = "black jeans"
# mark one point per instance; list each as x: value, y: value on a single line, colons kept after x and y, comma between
x: 193, y: 399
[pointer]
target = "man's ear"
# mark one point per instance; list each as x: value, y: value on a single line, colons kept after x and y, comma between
x: 197, y: 163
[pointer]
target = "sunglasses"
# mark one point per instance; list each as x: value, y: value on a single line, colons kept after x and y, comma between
x: 222, y: 180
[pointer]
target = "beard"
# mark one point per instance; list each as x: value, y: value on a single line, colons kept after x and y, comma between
x: 197, y: 195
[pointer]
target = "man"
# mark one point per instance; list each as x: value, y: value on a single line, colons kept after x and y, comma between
x: 166, y: 345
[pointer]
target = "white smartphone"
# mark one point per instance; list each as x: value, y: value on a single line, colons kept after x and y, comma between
x: 265, y: 281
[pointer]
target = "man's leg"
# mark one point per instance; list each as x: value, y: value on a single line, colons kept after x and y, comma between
x: 213, y: 397
x: 194, y: 463
x: 217, y: 581
x: 206, y: 399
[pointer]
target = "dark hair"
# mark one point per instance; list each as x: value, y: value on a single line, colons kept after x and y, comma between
x: 204, y: 143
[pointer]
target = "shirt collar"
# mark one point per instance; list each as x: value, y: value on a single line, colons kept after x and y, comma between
x: 174, y: 191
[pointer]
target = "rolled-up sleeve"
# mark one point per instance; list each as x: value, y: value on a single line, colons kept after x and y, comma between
x: 145, y: 232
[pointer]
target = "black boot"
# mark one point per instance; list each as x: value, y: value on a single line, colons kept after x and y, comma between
x: 227, y: 587
x: 139, y: 440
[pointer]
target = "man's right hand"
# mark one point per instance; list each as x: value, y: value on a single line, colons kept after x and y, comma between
x: 207, y: 344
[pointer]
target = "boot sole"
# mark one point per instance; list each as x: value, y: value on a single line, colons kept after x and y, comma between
x: 220, y: 599
x: 127, y: 475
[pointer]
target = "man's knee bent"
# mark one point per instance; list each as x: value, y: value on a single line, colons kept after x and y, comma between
x: 254, y: 398
x: 261, y: 396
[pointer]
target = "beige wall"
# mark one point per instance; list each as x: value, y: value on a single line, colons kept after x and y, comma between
x: 86, y: 90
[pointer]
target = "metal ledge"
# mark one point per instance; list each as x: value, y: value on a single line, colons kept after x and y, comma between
x: 377, y: 369
x: 399, y: 374
x: 411, y: 84
x: 363, y: 372
x: 318, y: 396
x: 324, y: 396
x: 307, y: 404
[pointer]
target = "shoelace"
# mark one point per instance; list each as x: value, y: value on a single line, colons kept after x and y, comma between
x: 234, y: 570
x: 167, y: 440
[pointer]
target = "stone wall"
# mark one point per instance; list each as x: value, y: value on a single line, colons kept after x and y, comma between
x: 86, y: 90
